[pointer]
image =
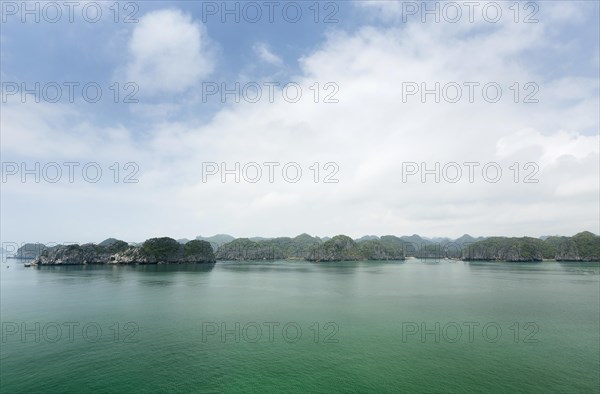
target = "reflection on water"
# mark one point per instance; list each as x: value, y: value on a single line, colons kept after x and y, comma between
x: 586, y: 268
x: 299, y: 266
x: 165, y: 274
x: 546, y: 267
x: 116, y: 273
x: 120, y: 268
x: 264, y: 266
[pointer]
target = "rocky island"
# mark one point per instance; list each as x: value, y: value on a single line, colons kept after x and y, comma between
x: 584, y: 246
x: 343, y: 248
x: 153, y: 251
x: 305, y: 247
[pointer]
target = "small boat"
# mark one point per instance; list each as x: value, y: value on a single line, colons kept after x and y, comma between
x: 27, y: 264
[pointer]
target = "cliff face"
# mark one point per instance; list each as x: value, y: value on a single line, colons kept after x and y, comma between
x: 584, y: 246
x: 381, y: 250
x: 73, y: 254
x: 29, y: 251
x: 343, y: 248
x: 505, y: 249
x: 338, y: 248
x: 245, y: 249
x: 153, y: 251
x: 273, y: 249
x: 565, y: 249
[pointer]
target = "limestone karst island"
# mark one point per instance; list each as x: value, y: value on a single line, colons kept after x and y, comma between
x: 583, y: 246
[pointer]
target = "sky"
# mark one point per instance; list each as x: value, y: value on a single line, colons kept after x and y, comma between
x: 142, y: 119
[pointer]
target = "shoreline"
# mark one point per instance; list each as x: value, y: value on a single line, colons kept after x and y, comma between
x: 27, y: 262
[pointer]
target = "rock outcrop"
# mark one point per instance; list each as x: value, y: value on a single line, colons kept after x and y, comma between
x: 583, y: 246
x: 281, y: 248
x: 343, y: 248
x: 245, y: 249
x: 505, y: 249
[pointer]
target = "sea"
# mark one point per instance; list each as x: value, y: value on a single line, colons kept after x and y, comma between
x: 299, y: 327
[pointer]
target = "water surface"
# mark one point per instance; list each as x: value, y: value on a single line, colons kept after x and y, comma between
x: 302, y: 327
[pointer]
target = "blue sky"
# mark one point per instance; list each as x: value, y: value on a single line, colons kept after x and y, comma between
x: 371, y: 49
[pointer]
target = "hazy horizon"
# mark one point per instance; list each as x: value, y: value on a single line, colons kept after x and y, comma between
x: 96, y: 241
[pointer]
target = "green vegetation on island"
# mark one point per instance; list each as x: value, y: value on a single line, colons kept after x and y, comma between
x: 343, y: 248
x: 583, y: 246
x: 298, y: 248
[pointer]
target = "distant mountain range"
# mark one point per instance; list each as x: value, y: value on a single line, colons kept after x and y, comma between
x: 584, y: 246
x: 216, y: 240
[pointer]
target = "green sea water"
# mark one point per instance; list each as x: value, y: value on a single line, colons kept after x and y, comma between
x: 286, y: 326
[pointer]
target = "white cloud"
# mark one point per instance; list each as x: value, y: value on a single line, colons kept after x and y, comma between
x: 169, y: 52
x: 265, y: 54
x: 553, y: 146
x: 369, y: 133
